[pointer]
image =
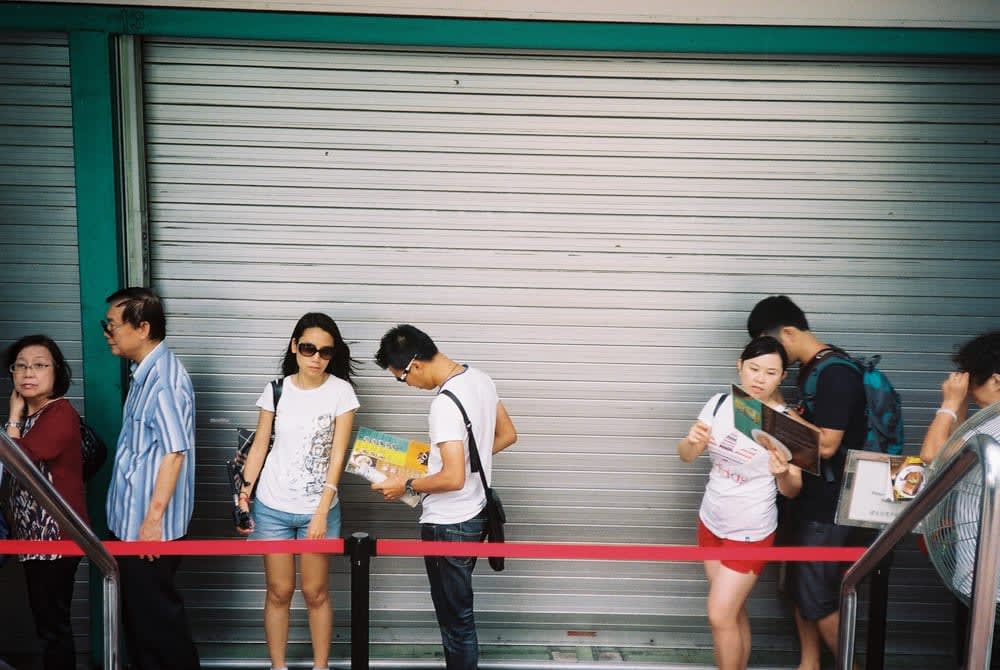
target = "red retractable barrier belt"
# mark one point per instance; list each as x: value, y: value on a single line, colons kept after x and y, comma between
x: 615, y: 552
x: 416, y: 548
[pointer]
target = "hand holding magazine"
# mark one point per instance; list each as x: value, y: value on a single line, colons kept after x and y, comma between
x: 377, y: 455
x: 797, y: 441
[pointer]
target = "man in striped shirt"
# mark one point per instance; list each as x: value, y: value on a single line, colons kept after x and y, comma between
x: 152, y: 487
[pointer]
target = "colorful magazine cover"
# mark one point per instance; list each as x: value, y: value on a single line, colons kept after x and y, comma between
x: 776, y: 431
x: 376, y: 455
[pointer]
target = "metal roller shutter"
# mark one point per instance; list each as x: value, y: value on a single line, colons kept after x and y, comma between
x: 39, y: 275
x: 592, y: 230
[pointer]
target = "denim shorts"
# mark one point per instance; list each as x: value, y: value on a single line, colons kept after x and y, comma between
x: 272, y: 524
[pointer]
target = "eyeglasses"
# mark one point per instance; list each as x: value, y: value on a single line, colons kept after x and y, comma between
x: 308, y: 349
x: 406, y: 371
x: 110, y: 328
x: 22, y: 368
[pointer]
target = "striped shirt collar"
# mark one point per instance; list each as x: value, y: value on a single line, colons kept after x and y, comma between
x: 140, y: 371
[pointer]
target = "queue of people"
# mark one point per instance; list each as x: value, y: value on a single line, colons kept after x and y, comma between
x: 291, y: 488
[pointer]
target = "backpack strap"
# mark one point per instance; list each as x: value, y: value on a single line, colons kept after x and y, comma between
x: 474, y: 462
x: 808, y: 380
x: 276, y: 386
x: 722, y: 399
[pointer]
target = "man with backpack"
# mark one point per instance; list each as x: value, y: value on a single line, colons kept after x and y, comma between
x: 838, y: 408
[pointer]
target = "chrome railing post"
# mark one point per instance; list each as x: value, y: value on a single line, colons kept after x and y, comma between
x: 987, y: 574
x: 21, y: 467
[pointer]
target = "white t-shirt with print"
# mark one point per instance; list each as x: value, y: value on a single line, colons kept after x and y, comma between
x: 295, y: 470
x: 739, y: 502
x: 478, y: 394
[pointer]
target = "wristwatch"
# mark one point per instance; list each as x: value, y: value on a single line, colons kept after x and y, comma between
x: 409, y: 487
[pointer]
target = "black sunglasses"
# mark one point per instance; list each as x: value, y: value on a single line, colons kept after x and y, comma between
x: 308, y: 349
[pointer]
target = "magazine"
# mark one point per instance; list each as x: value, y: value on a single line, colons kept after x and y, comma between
x: 776, y: 431
x: 376, y: 455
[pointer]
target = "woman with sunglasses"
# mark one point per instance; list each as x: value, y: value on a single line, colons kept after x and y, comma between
x: 47, y: 428
x: 296, y: 495
x: 739, y: 506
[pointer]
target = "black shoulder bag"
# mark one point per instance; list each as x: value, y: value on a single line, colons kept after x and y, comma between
x: 234, y: 467
x: 495, y: 516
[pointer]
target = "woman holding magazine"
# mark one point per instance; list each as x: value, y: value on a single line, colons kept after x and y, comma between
x: 739, y: 506
x: 296, y: 486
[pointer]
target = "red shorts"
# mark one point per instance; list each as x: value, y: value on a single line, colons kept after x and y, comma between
x: 707, y: 538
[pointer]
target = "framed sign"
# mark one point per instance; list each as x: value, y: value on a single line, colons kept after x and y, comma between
x: 876, y: 488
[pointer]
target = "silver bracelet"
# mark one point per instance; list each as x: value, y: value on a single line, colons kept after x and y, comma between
x: 13, y: 424
x: 332, y: 487
x: 945, y: 410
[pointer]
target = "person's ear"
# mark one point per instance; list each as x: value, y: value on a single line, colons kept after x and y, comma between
x: 143, y: 329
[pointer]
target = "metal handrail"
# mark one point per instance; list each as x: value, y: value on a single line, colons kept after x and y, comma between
x: 74, y: 527
x: 980, y: 448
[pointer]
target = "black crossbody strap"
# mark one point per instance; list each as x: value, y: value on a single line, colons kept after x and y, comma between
x: 474, y: 462
x: 276, y: 385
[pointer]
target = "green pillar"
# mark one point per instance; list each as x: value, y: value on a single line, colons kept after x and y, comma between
x: 100, y: 266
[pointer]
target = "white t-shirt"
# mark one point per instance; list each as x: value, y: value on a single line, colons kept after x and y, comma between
x: 478, y: 395
x: 739, y: 502
x: 295, y: 470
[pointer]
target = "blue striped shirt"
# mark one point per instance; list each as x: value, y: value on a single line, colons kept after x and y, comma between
x: 158, y: 419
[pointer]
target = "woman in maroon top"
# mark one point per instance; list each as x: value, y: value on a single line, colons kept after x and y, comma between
x: 47, y: 428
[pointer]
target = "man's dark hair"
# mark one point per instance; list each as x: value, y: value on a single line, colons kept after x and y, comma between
x: 63, y: 372
x: 141, y: 304
x: 774, y: 313
x: 401, y: 345
x: 980, y: 357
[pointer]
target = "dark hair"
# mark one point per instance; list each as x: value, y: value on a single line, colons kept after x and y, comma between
x: 774, y: 313
x: 763, y: 345
x: 980, y: 357
x: 141, y: 304
x: 341, y: 365
x: 63, y: 372
x: 402, y: 344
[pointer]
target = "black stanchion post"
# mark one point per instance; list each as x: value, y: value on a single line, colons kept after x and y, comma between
x: 360, y: 547
x: 877, y: 612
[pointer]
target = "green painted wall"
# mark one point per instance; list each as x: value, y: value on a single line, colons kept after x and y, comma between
x: 100, y: 266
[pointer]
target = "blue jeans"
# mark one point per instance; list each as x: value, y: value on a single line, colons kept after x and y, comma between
x: 451, y: 590
x: 272, y: 524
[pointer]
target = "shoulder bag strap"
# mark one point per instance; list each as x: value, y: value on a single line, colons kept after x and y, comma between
x: 474, y: 461
x: 722, y: 399
x: 276, y: 386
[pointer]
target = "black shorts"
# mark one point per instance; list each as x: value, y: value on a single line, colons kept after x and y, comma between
x: 815, y: 585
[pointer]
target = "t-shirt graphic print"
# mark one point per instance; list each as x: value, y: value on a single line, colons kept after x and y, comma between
x: 295, y: 470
